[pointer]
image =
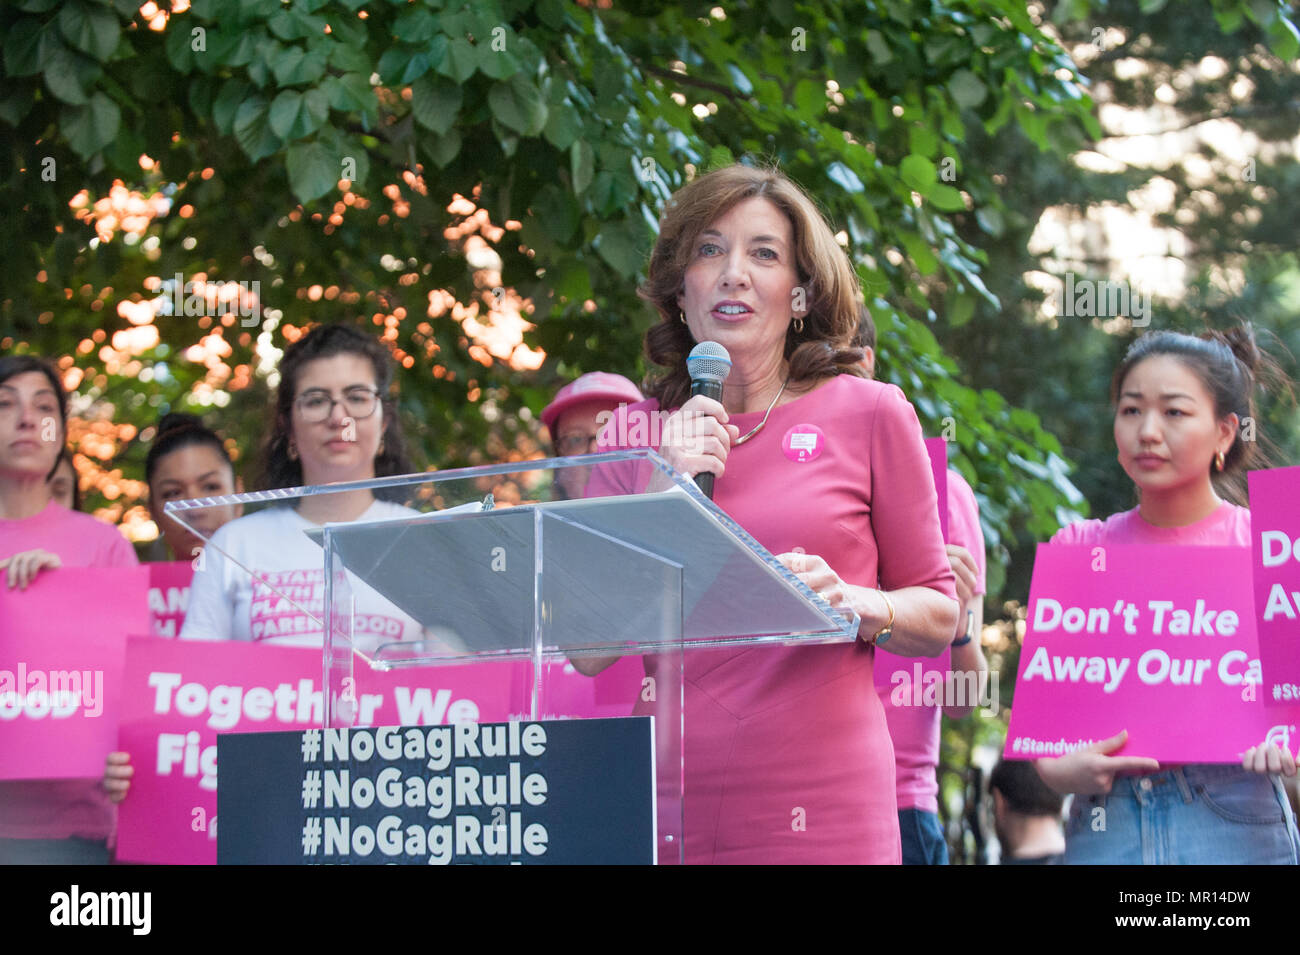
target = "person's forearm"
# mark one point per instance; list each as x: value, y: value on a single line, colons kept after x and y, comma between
x: 967, y: 659
x: 590, y: 665
x: 924, y: 619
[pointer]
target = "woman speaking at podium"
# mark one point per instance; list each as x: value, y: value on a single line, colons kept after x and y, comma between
x: 787, y: 754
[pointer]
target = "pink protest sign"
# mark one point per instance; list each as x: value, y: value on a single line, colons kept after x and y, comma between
x: 1153, y: 639
x: 61, y: 666
x: 570, y: 695
x: 1275, y: 564
x: 169, y: 596
x: 910, y: 675
x: 178, y: 695
x: 937, y: 449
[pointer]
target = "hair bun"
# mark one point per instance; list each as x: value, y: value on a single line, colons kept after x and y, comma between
x: 1241, y: 339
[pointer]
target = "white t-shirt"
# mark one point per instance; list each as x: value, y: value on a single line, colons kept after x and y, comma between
x: 226, y: 603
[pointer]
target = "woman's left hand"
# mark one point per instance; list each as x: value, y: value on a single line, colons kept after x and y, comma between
x: 1267, y: 758
x: 966, y: 571
x: 23, y: 567
x: 818, y: 575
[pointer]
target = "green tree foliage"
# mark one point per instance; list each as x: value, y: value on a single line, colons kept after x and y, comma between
x: 577, y: 124
x: 1232, y: 220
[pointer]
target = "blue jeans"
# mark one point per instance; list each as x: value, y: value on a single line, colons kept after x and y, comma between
x: 71, y: 851
x: 1200, y: 814
x: 923, y: 842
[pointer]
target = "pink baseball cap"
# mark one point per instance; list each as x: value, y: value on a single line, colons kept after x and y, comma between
x: 593, y: 386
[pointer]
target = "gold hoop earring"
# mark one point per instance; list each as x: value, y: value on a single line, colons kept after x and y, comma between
x: 682, y: 316
x: 1218, y: 460
x: 798, y: 326
x: 293, y: 450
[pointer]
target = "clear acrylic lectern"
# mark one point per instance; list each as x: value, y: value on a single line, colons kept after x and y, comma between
x: 545, y: 572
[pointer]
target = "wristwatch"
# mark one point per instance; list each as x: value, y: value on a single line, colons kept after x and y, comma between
x: 970, y: 630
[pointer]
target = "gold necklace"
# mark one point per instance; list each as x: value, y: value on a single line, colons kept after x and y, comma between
x: 743, y: 438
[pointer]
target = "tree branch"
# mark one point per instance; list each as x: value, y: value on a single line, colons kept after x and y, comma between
x: 684, y: 80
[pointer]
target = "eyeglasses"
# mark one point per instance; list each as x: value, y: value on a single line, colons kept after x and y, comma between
x: 571, y: 444
x: 317, y: 405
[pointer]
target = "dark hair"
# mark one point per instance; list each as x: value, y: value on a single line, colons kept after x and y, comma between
x: 177, y: 431
x: 866, y: 334
x: 66, y: 456
x: 1023, y: 789
x: 326, y: 341
x: 825, y: 346
x: 1229, y: 366
x: 13, y: 365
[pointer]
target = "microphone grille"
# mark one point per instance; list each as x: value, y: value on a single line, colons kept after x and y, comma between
x: 708, y: 361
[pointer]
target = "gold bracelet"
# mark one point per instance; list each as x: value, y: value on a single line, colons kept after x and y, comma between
x: 885, y: 632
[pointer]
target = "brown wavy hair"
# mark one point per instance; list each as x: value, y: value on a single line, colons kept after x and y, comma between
x: 822, y: 350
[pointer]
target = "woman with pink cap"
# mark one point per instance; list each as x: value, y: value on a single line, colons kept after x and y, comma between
x: 575, y: 418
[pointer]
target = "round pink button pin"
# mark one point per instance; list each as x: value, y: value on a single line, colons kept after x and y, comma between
x: 803, y: 443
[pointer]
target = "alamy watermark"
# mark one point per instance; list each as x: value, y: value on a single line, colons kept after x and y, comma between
x: 37, y: 693
x: 124, y: 909
x: 650, y: 429
x: 921, y: 687
x: 197, y: 298
x: 1087, y: 298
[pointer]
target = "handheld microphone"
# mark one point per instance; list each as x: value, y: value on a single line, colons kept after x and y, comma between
x: 708, y: 364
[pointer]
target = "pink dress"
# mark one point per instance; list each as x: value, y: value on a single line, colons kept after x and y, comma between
x: 787, y: 754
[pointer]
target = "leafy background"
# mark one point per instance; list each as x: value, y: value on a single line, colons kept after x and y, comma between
x: 479, y: 184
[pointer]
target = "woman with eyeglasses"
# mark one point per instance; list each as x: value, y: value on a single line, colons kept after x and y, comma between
x: 333, y: 423
x: 575, y: 418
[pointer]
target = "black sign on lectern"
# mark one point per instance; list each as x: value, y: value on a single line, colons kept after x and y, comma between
x: 557, y: 792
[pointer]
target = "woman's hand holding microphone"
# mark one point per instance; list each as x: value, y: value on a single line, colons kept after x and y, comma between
x: 696, y: 438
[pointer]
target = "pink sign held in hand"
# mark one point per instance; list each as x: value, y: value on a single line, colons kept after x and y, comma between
x: 61, y: 646
x: 1275, y: 563
x: 1157, y: 640
x: 179, y: 694
x: 937, y: 449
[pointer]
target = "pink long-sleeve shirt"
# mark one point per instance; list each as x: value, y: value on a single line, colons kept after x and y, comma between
x: 915, y: 729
